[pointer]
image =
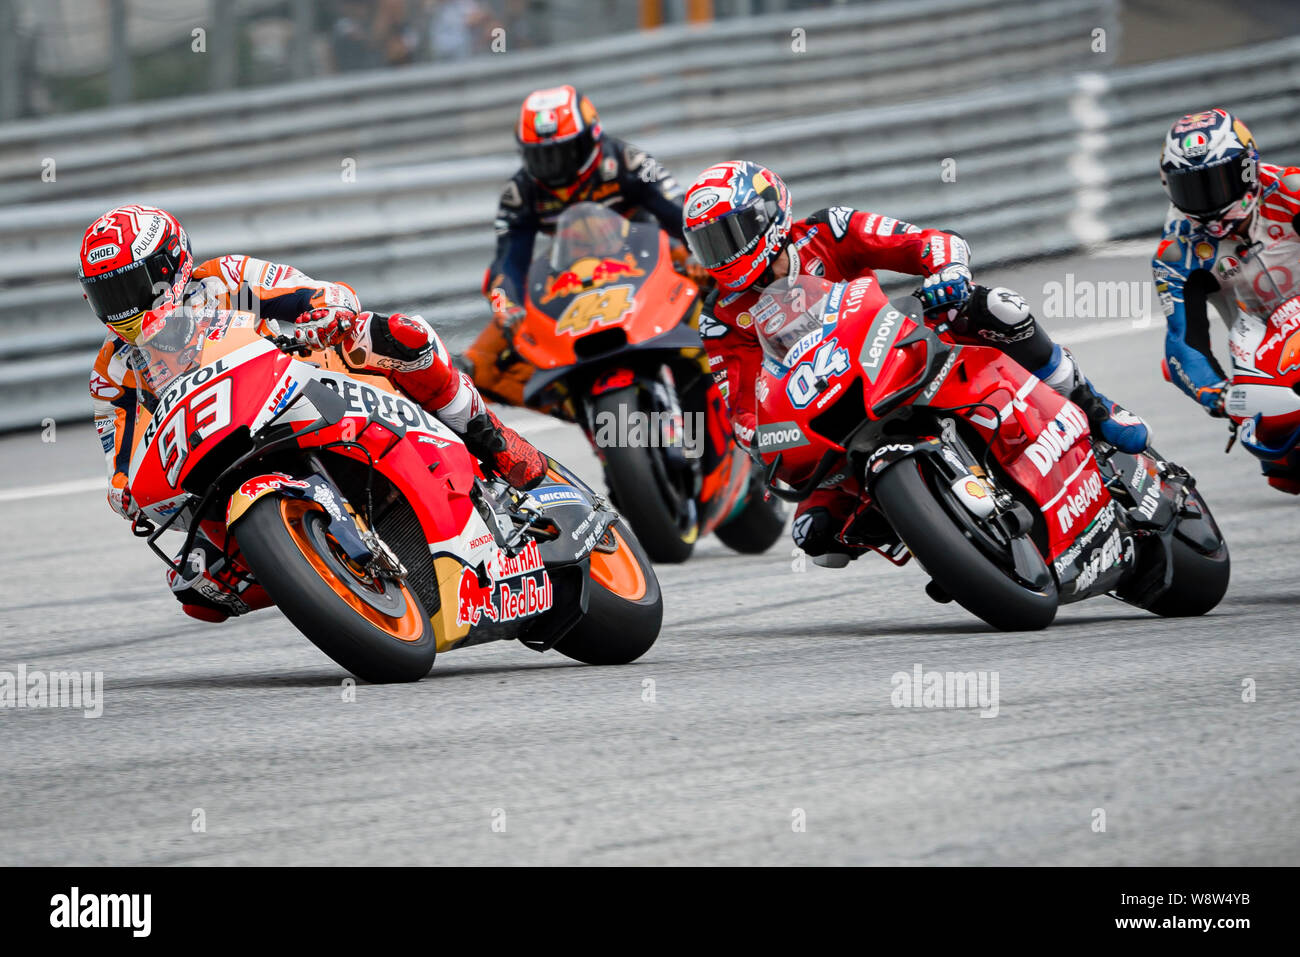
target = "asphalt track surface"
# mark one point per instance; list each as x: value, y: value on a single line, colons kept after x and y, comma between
x: 771, y: 703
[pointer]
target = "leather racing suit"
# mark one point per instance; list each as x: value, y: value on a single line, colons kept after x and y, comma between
x: 404, y: 348
x: 842, y: 244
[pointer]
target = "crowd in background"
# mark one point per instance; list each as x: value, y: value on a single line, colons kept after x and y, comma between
x: 376, y: 33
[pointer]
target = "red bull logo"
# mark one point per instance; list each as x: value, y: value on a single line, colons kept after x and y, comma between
x: 473, y: 600
x: 506, y: 600
x: 269, y: 483
x: 589, y: 273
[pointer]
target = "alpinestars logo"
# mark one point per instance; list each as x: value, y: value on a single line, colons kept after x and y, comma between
x: 838, y: 218
x: 1059, y: 437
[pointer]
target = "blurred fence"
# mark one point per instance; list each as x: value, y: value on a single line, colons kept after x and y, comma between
x: 1047, y: 164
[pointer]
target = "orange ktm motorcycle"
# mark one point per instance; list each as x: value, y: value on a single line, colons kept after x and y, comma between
x: 613, y: 331
x: 364, y: 518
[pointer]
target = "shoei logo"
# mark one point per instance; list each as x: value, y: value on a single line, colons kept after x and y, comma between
x: 1060, y: 436
x: 100, y: 253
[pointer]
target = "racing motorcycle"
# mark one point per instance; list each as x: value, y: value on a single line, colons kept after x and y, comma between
x: 964, y: 460
x: 364, y: 518
x: 1263, y: 402
x: 613, y: 331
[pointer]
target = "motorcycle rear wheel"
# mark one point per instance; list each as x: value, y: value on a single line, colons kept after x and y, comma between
x: 640, y: 484
x: 1200, y: 578
x: 376, y: 628
x: 955, y: 563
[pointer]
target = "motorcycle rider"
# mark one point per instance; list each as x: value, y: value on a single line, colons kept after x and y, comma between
x: 1232, y: 237
x: 139, y: 276
x: 567, y: 159
x: 740, y: 226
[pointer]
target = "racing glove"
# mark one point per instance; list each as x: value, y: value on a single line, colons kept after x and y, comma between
x: 327, y: 326
x: 948, y: 287
x: 1212, y: 398
x: 119, y: 498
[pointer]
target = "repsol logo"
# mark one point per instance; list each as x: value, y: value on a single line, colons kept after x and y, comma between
x: 362, y: 399
x: 1054, y: 441
x: 178, y: 390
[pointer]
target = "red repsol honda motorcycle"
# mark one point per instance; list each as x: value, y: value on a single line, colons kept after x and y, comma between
x: 365, y: 519
x: 613, y: 331
x: 963, y: 459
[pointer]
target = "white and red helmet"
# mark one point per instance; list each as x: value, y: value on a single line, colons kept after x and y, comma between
x: 737, y: 220
x: 135, y: 264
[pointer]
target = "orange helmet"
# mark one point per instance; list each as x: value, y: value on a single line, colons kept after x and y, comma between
x: 559, y: 135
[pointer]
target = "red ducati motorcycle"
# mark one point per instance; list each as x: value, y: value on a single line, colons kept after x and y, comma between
x: 960, y: 457
x: 613, y: 331
x: 364, y: 518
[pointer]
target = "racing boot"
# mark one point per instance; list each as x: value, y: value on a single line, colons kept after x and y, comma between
x: 507, y: 452
x: 208, y: 590
x: 814, y: 533
x: 1110, y: 421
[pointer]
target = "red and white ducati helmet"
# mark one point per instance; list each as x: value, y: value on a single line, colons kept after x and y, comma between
x: 737, y: 220
x: 135, y: 264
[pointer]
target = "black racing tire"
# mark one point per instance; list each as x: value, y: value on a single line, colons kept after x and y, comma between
x: 635, y: 480
x: 285, y: 543
x: 957, y: 566
x: 758, y: 527
x: 617, y: 628
x: 1200, y: 578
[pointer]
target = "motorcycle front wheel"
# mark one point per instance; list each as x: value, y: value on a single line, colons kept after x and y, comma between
x: 624, y: 606
x: 915, y: 509
x: 374, y: 627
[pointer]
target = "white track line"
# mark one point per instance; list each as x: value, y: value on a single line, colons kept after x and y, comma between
x: 54, y: 488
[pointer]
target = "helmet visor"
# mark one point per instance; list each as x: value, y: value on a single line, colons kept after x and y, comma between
x: 557, y: 163
x: 121, y: 297
x: 721, y: 241
x: 1208, y: 189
